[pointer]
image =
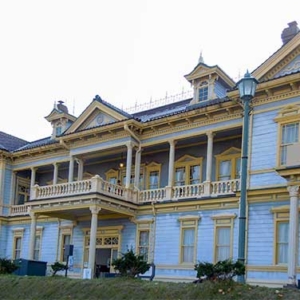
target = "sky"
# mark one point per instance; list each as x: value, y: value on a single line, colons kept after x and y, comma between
x: 128, y: 52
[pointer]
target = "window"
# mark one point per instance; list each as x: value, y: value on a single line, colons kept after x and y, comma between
x: 17, y: 242
x: 141, y: 179
x: 187, y: 170
x: 228, y: 164
x: 65, y: 239
x: 203, y: 93
x: 289, y: 136
x: 281, y: 234
x: 23, y: 190
x: 223, y: 227
x: 112, y: 176
x: 143, y: 238
x: 144, y: 244
x: 153, y: 176
x: 188, y: 239
x: 288, y: 120
x: 37, y: 246
x: 17, y: 246
x: 282, y: 242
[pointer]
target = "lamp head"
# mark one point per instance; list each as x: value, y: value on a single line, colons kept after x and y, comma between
x: 247, y: 86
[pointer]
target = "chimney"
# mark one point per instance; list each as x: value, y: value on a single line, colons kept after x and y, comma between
x: 289, y: 32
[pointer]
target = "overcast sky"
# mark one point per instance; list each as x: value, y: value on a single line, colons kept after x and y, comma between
x: 125, y: 51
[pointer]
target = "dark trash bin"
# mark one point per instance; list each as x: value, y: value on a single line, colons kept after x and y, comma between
x: 30, y: 267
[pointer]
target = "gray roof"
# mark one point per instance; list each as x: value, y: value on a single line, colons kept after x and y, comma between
x: 38, y: 143
x: 9, y: 142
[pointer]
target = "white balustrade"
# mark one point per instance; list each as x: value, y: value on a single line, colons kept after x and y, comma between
x: 17, y: 210
x: 188, y: 191
x: 154, y: 195
x: 225, y: 187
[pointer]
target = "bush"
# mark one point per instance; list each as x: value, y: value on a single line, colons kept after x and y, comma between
x: 57, y: 266
x: 130, y: 264
x: 222, y: 270
x: 7, y: 266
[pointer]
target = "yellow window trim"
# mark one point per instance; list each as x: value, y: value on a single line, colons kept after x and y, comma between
x: 17, y: 233
x: 223, y: 221
x: 187, y: 161
x: 188, y: 222
x: 144, y: 225
x: 152, y: 167
x: 230, y: 154
x: 112, y: 173
x: 288, y: 115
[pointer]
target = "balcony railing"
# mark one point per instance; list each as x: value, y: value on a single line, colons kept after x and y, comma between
x: 98, y: 185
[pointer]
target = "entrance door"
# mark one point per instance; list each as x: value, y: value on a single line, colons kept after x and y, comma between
x: 103, y: 259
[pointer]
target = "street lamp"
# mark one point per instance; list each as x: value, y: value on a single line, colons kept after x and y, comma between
x: 247, y: 87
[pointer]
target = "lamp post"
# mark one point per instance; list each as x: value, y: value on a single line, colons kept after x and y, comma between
x: 247, y: 87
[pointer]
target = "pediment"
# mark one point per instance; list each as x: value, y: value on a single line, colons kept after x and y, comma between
x: 57, y: 114
x: 230, y: 151
x: 283, y: 62
x: 204, y: 72
x: 98, y: 113
x: 186, y: 158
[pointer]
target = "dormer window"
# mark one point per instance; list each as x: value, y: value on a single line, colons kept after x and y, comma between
x: 58, y: 129
x: 203, y: 93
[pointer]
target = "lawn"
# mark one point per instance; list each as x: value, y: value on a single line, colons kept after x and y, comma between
x: 38, y: 288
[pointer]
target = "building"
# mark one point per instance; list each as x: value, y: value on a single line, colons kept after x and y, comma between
x: 165, y: 181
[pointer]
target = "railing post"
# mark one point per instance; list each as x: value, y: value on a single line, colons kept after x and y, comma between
x: 96, y: 183
x: 34, y: 192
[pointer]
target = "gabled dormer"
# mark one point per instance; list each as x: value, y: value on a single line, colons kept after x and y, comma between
x: 208, y: 82
x: 60, y: 119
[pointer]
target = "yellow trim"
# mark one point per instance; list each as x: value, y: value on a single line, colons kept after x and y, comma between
x: 17, y: 234
x: 112, y: 173
x: 223, y: 221
x: 186, y: 162
x: 188, y: 222
x: 64, y: 231
x: 231, y: 154
x: 152, y: 167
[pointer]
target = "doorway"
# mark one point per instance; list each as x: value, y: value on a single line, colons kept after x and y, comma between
x: 103, y: 259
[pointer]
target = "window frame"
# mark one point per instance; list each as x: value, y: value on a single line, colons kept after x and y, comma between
x: 144, y: 225
x: 231, y: 154
x: 25, y: 183
x: 223, y: 221
x: 38, y: 248
x: 17, y: 234
x: 188, y: 222
x: 64, y: 231
x: 153, y: 167
x: 186, y: 162
x: 281, y: 215
x: 288, y: 115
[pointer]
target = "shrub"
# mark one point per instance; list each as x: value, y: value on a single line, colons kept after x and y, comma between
x: 7, y: 266
x: 130, y: 264
x: 222, y: 270
x: 57, y: 266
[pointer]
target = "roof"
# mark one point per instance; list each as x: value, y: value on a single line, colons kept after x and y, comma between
x: 9, y: 142
x: 38, y: 143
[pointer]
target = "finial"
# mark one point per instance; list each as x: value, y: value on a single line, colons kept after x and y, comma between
x: 201, y: 60
x: 98, y: 98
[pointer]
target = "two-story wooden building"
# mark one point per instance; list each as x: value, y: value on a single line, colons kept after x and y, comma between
x: 165, y: 181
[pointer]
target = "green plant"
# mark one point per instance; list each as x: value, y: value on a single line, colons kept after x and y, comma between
x: 7, y: 266
x: 57, y: 266
x: 222, y: 270
x: 130, y: 264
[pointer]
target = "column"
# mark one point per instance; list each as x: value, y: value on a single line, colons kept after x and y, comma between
x: 171, y: 170
x: 293, y: 234
x: 138, y: 155
x: 32, y: 234
x: 71, y: 169
x: 128, y: 165
x: 209, y: 158
x: 171, y: 162
x: 93, y: 235
x: 55, y: 173
x: 80, y: 169
x: 32, y: 179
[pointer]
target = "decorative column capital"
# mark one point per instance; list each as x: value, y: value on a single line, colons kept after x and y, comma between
x: 293, y: 190
x: 210, y: 134
x: 95, y: 210
x: 172, y: 142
